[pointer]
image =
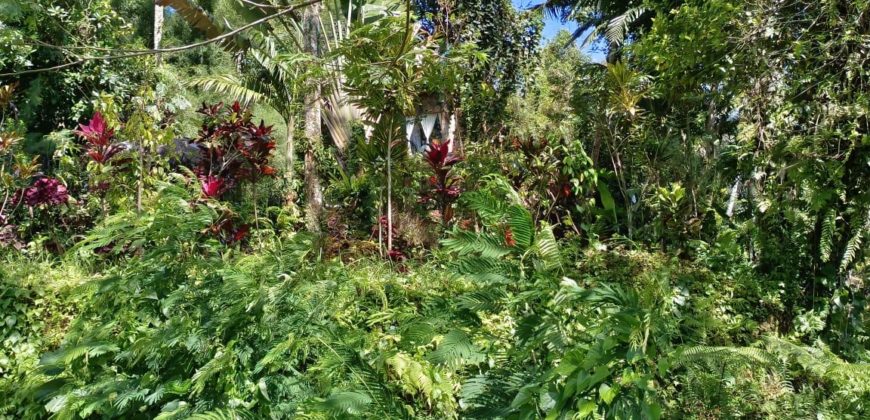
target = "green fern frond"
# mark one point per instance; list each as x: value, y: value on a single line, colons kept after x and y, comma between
x: 854, y: 244
x: 522, y: 226
x: 130, y: 396
x: 418, y: 334
x: 821, y: 362
x: 421, y: 378
x: 487, y: 270
x: 491, y: 209
x: 274, y: 354
x: 222, y: 360
x: 829, y: 225
x: 467, y: 242
x: 456, y: 349
x: 548, y: 247
x: 223, y: 414
x: 348, y: 403
x: 495, y: 183
x: 744, y: 355
x: 483, y: 300
x: 67, y: 355
x: 155, y: 396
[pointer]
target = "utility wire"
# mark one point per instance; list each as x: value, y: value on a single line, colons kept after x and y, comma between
x: 139, y: 53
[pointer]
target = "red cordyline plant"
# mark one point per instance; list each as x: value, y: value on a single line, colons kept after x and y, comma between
x: 100, y: 139
x: 229, y: 231
x: 443, y: 186
x: 233, y: 148
x: 212, y: 186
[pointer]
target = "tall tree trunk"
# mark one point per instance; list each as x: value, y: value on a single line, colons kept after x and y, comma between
x: 158, y: 30
x: 290, y: 158
x: 389, y: 197
x: 313, y: 190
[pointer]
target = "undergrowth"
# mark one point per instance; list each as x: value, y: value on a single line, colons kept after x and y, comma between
x: 495, y: 325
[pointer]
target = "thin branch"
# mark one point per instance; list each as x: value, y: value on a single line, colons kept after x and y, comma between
x: 139, y: 53
x: 261, y: 5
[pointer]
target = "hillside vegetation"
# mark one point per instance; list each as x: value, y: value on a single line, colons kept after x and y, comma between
x: 218, y: 209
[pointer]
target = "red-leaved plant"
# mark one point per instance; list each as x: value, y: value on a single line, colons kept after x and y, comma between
x: 212, y: 186
x: 44, y: 192
x: 228, y: 229
x: 233, y: 148
x: 100, y: 139
x: 443, y: 188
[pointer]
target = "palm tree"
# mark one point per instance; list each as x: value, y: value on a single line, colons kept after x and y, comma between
x: 313, y: 191
x: 614, y: 20
x: 289, y: 75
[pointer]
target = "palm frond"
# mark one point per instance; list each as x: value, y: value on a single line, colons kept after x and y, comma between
x: 617, y: 28
x: 201, y: 20
x: 228, y: 85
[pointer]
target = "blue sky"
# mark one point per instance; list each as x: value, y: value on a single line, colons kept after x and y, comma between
x: 553, y: 26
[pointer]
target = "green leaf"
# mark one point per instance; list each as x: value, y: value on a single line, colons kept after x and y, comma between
x: 587, y: 381
x: 524, y: 396
x: 607, y: 199
x: 827, y: 238
x: 606, y: 393
x: 586, y: 407
x: 653, y: 411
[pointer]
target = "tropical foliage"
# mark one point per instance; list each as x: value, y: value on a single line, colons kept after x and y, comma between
x: 676, y: 228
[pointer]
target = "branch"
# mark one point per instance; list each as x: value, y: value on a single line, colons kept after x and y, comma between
x: 139, y: 53
x: 262, y: 5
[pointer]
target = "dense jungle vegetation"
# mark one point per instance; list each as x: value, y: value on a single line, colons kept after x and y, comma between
x: 213, y: 209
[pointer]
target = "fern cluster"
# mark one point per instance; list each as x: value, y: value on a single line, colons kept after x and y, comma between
x: 173, y: 323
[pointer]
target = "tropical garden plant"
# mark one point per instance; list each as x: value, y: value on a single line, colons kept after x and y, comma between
x: 673, y: 228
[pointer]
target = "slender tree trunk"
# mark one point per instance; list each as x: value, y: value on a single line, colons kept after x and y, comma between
x: 596, y: 147
x: 389, y: 196
x: 158, y: 36
x: 158, y: 30
x: 140, y: 183
x: 380, y: 225
x: 313, y: 190
x: 290, y: 158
